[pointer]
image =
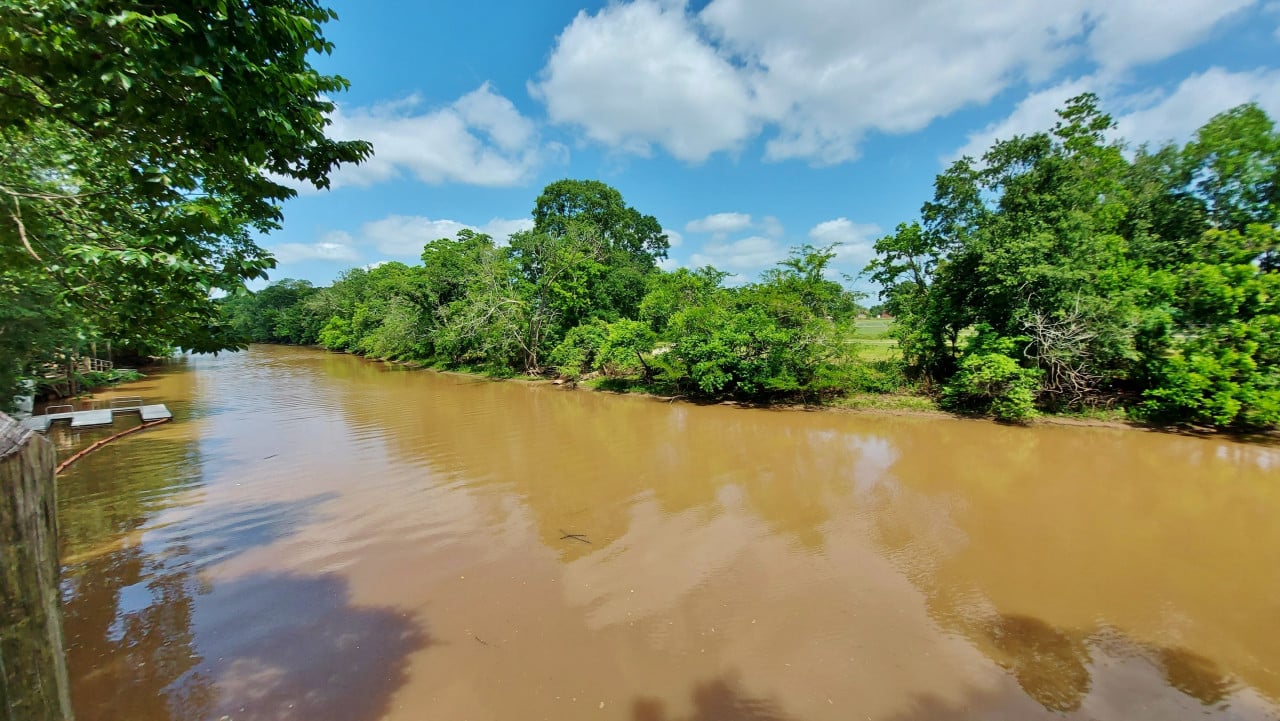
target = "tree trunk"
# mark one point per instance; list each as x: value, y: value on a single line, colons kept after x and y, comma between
x: 33, y: 671
x: 647, y: 373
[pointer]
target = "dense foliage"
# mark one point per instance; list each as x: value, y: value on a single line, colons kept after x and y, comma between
x: 144, y: 142
x: 1067, y: 270
x: 1063, y: 271
x: 581, y: 295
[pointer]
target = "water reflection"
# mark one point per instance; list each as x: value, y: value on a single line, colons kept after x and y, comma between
x: 130, y: 641
x: 154, y: 636
x: 982, y: 518
x: 1050, y: 665
x: 1154, y: 542
x: 717, y: 700
x: 1195, y: 675
x: 279, y: 648
x: 287, y: 548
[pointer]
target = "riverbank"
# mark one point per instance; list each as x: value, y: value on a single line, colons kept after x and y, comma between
x: 86, y: 383
x: 882, y: 404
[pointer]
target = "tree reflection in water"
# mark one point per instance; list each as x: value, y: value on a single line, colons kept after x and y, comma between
x: 149, y: 639
x: 1050, y: 665
x: 1195, y: 675
x: 716, y: 700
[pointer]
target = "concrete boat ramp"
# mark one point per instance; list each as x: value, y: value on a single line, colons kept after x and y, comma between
x: 98, y: 416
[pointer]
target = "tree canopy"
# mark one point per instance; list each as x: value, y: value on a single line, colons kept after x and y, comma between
x: 145, y: 144
x: 580, y: 294
x: 1103, y: 274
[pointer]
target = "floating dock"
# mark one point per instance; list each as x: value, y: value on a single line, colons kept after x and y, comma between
x: 92, y: 418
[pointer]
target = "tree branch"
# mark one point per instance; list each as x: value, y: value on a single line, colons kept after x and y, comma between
x: 22, y: 231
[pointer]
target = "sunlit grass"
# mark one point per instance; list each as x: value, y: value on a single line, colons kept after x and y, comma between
x: 873, y: 340
x: 871, y: 350
x: 874, y: 328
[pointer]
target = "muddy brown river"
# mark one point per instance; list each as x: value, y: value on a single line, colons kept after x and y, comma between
x: 321, y: 538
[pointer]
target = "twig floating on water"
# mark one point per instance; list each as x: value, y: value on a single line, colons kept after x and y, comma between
x: 574, y: 536
x: 481, y: 640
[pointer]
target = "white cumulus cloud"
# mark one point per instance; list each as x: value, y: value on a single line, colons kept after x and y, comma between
x: 479, y: 139
x: 337, y: 247
x: 814, y: 77
x: 745, y: 257
x: 772, y: 227
x: 1153, y: 117
x: 404, y: 236
x: 1134, y: 32
x: 640, y: 74
x: 1035, y: 113
x: 1179, y: 113
x: 719, y: 223
x: 854, y: 243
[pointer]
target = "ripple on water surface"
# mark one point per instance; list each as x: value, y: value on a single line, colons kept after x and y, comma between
x: 320, y: 537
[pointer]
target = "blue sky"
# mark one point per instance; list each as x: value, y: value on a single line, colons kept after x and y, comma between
x: 745, y: 126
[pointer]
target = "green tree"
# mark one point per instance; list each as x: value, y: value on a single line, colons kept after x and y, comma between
x: 448, y: 263
x: 789, y: 335
x: 991, y: 380
x: 558, y: 274
x: 1103, y: 275
x: 624, y: 228
x: 624, y: 346
x: 630, y: 245
x: 578, y: 354
x: 669, y: 292
x: 1233, y: 165
x: 275, y: 314
x: 145, y: 142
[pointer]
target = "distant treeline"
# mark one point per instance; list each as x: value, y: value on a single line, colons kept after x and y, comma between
x: 581, y: 294
x: 1062, y: 271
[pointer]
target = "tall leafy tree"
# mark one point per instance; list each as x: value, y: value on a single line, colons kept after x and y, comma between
x: 623, y: 227
x: 631, y: 243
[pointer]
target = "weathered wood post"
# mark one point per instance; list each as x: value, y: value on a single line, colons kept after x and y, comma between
x: 33, y: 669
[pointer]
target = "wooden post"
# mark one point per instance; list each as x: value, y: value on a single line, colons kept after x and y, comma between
x: 34, y: 684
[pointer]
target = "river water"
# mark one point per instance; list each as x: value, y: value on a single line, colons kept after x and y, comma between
x: 321, y: 538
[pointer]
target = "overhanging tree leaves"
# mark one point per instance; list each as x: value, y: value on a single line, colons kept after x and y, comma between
x: 143, y: 143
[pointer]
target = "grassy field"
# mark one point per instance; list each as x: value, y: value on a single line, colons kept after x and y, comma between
x: 873, y: 340
x: 874, y: 328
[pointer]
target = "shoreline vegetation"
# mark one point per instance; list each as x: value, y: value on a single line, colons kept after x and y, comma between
x: 910, y: 405
x: 1064, y: 275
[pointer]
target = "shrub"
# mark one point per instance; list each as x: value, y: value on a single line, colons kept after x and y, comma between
x: 990, y: 380
x: 1230, y: 377
x: 621, y: 351
x: 336, y: 334
x: 878, y: 376
x: 399, y: 334
x: 577, y: 354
